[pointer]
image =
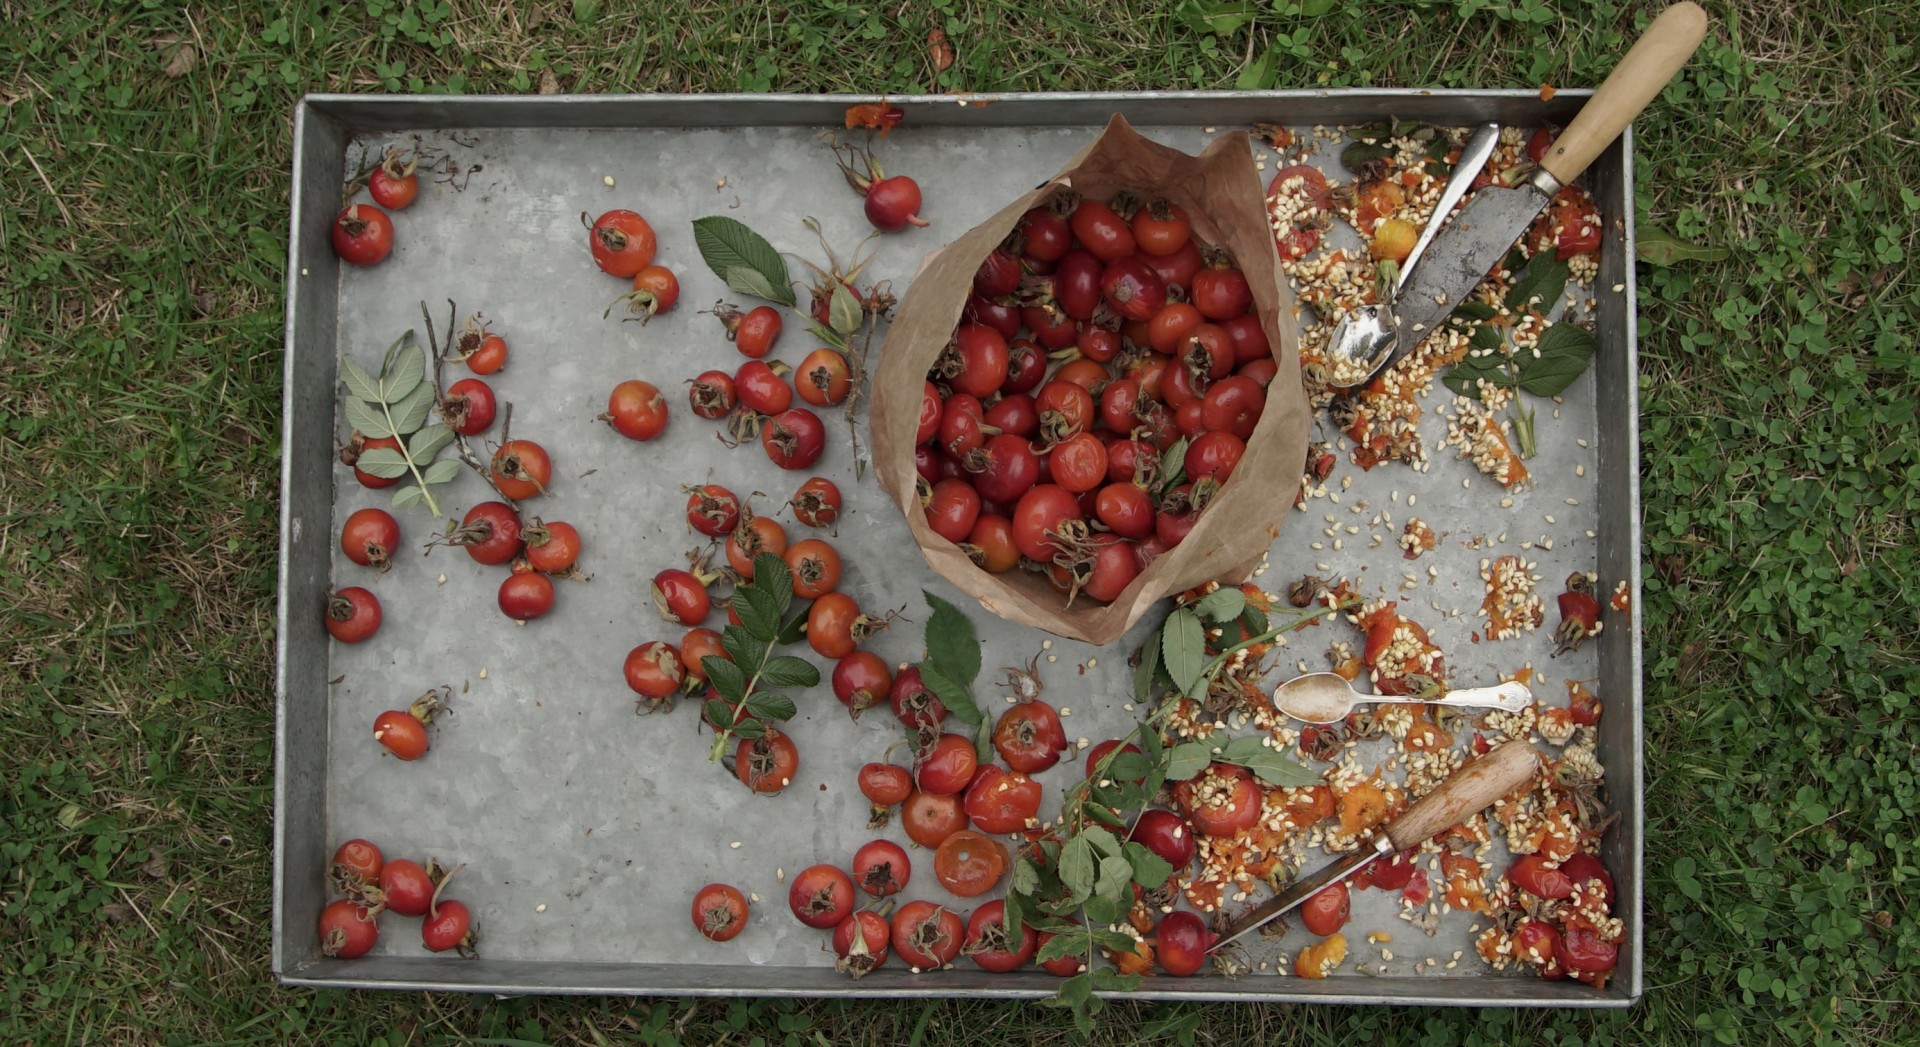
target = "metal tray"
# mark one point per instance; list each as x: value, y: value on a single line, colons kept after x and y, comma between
x: 585, y: 828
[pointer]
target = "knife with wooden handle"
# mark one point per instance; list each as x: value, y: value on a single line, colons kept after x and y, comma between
x: 1480, y: 235
x: 1474, y: 786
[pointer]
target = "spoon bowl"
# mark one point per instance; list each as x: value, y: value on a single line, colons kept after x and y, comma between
x: 1328, y: 698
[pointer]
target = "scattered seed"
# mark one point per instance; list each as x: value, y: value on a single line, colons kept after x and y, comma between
x: 1548, y: 517
x: 1046, y: 645
x: 1064, y: 711
x: 1573, y: 501
x: 1386, y: 954
x: 542, y: 907
x: 735, y: 845
x: 1410, y: 498
x: 1053, y: 658
x: 1582, y: 441
x: 1579, y: 470
x: 608, y: 181
x: 755, y: 896
x: 442, y: 580
x: 1081, y: 743
x: 780, y: 873
x: 483, y: 674
x: 1091, y: 662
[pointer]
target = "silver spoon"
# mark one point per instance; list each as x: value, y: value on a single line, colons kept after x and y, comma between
x: 1360, y: 346
x: 1328, y: 697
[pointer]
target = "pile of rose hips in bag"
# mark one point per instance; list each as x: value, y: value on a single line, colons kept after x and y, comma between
x: 374, y: 885
x: 1101, y: 386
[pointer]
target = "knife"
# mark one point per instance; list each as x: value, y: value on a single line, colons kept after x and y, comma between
x: 1475, y: 785
x: 1480, y: 235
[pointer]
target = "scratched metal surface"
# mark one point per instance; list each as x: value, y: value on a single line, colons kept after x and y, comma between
x: 586, y: 829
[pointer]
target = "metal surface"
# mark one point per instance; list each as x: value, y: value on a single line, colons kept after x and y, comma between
x: 586, y: 829
x: 1306, y: 887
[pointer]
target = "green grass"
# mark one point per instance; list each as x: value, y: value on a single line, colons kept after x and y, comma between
x: 143, y: 245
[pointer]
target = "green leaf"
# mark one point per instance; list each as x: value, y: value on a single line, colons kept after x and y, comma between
x: 771, y: 576
x: 750, y: 281
x: 1146, y: 670
x: 1149, y: 869
x: 1106, y: 979
x: 844, y: 311
x: 1077, y: 867
x: 1173, y: 465
x: 1188, y: 759
x: 717, y: 711
x: 409, y: 496
x: 788, y: 671
x: 1103, y: 911
x: 1116, y: 879
x: 742, y: 646
x: 1104, y: 813
x: 1117, y: 941
x: 367, y: 420
x: 1077, y: 990
x: 1565, y: 351
x: 796, y: 628
x: 410, y: 411
x: 1539, y: 285
x: 405, y: 371
x: 1465, y: 377
x: 1221, y: 605
x: 830, y: 337
x: 1059, y: 947
x: 1656, y: 246
x: 1357, y: 153
x: 1103, y: 841
x: 749, y: 727
x: 757, y: 611
x: 770, y: 706
x: 429, y: 441
x: 384, y: 462
x: 1127, y: 767
x: 1220, y: 19
x: 1259, y: 74
x: 727, y: 244
x: 1489, y: 338
x: 1183, y: 647
x: 726, y: 678
x: 952, y: 646
x: 1026, y: 877
x: 1012, y: 916
x: 442, y: 472
x: 1275, y: 768
x: 359, y: 383
x: 1474, y: 309
x: 1255, y: 621
x: 956, y: 698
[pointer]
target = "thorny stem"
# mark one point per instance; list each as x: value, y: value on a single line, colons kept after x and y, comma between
x: 459, y: 440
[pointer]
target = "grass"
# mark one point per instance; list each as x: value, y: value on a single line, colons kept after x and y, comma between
x: 141, y: 248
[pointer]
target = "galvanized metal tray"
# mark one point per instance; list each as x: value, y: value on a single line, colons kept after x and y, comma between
x: 585, y: 828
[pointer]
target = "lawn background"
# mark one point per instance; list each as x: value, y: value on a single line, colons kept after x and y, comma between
x: 145, y: 150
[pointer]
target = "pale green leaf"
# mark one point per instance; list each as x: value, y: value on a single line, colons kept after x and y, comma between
x: 359, y: 382
x: 749, y: 281
x: 1183, y: 648
x: 726, y: 244
x: 426, y: 443
x: 410, y: 413
x: 951, y: 643
x: 407, y: 370
x: 408, y: 496
x: 383, y: 462
x: 1188, y: 759
x: 1077, y: 867
x: 442, y: 471
x: 1222, y: 605
x: 366, y: 419
x: 843, y: 310
x: 1659, y: 247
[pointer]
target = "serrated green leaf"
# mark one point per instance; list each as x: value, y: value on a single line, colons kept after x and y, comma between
x: 367, y: 420
x: 384, y: 462
x: 1026, y: 877
x: 769, y: 706
x: 1115, y: 879
x: 749, y: 281
x: 405, y: 370
x: 1255, y: 621
x: 360, y: 384
x: 1104, y: 842
x: 957, y: 699
x: 952, y: 645
x: 757, y: 611
x: 1077, y: 990
x: 1077, y: 868
x: 742, y: 646
x: 1103, y: 911
x: 749, y: 728
x: 844, y: 311
x: 788, y: 671
x: 1188, y: 759
x: 717, y: 711
x: 1149, y: 869
x: 1465, y: 377
x: 1127, y: 767
x: 409, y: 496
x: 1276, y: 768
x: 1259, y: 74
x: 1106, y: 979
x: 796, y: 628
x: 1242, y: 748
x: 429, y: 441
x: 1059, y: 947
x: 1357, y: 153
x: 1221, y: 605
x: 1183, y: 648
x: 1659, y: 247
x: 1536, y: 287
x: 1474, y: 309
x: 1566, y: 350
x: 410, y: 411
x: 1173, y: 466
x: 1103, y: 812
x: 771, y: 576
x: 1145, y: 671
x: 1012, y: 915
x: 442, y: 471
x: 1116, y: 941
x: 726, y: 678
x: 727, y: 244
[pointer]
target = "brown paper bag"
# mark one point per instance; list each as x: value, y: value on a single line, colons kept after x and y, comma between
x: 1222, y: 194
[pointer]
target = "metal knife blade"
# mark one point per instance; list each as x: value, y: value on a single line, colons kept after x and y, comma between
x: 1478, y: 783
x: 1460, y: 257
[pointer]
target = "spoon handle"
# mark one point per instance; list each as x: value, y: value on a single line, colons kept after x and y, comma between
x: 1473, y: 156
x: 1510, y: 696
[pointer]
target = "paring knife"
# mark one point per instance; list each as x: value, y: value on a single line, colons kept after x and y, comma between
x: 1474, y: 786
x: 1469, y: 246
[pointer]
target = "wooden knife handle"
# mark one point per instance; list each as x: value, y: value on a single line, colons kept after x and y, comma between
x: 1473, y: 787
x: 1654, y: 60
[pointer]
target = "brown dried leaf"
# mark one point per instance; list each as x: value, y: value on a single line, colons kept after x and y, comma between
x: 116, y: 913
x: 940, y: 49
x: 549, y: 84
x: 178, y: 56
x: 156, y: 863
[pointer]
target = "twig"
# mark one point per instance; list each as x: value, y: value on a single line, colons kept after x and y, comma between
x: 440, y: 390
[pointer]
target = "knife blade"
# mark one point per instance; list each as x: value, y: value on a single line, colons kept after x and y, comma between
x: 1468, y: 247
x: 1475, y: 785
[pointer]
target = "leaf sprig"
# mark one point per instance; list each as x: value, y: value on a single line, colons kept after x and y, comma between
x: 396, y: 403
x: 745, y: 702
x: 1560, y: 356
x: 951, y: 665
